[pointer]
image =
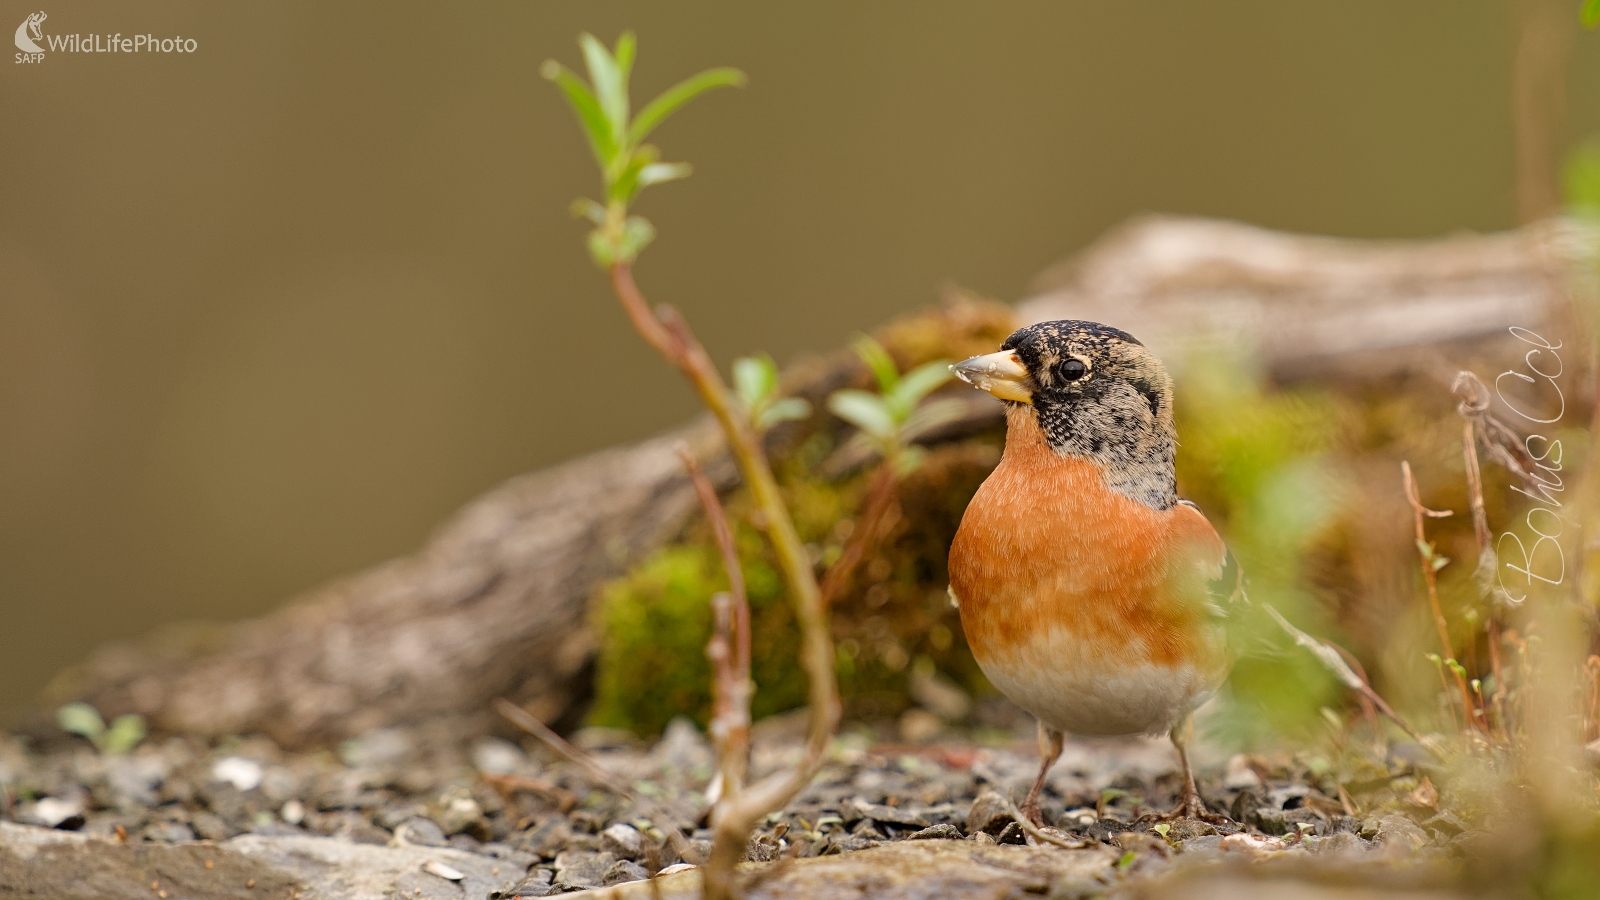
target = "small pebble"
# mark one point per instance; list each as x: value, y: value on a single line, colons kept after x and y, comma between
x: 244, y: 774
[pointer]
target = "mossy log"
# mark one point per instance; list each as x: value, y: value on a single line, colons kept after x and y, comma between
x: 498, y: 602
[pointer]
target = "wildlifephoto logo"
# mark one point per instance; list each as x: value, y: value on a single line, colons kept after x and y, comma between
x: 29, y: 32
x: 33, y: 43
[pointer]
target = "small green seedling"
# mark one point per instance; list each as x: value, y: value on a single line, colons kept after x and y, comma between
x: 125, y: 733
x: 895, y: 416
x: 1162, y: 830
x: 627, y: 164
x: 755, y: 379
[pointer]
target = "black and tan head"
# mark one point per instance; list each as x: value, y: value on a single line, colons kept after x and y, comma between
x: 1097, y: 393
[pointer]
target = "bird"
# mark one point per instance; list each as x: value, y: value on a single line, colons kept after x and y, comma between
x: 1090, y: 594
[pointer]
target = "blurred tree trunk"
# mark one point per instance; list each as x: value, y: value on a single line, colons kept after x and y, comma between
x: 496, y: 603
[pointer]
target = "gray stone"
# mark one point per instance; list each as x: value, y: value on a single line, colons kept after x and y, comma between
x: 990, y: 814
x: 905, y: 869
x: 420, y: 831
x: 940, y: 832
x: 582, y: 868
x: 1338, y: 843
x: 338, y: 870
x: 858, y: 809
x: 1397, y: 831
x: 39, y: 862
x: 623, y: 840
x: 536, y: 884
x: 625, y: 870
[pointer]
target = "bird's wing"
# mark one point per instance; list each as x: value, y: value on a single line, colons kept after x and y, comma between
x: 1224, y: 585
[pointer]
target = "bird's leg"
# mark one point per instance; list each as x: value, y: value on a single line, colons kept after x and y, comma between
x: 1190, y: 806
x: 1049, y: 751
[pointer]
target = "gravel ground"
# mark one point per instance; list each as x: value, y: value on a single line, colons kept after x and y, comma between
x: 533, y: 813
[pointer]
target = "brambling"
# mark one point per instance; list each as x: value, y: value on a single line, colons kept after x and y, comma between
x: 1091, y: 595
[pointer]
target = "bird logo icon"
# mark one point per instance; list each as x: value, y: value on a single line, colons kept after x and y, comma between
x: 28, y: 33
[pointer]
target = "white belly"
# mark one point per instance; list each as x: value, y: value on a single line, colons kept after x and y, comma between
x: 1084, y: 693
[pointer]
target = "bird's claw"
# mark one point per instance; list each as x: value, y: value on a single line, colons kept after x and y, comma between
x: 1190, y: 806
x: 1030, y: 811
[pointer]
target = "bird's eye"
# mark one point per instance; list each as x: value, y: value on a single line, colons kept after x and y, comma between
x: 1073, y: 369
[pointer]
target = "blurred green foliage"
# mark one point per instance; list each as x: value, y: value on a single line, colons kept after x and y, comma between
x: 893, y: 617
x: 891, y: 419
x: 755, y: 380
x: 1261, y: 464
x: 124, y: 733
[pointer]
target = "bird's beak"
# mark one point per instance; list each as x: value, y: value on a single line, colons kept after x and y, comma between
x: 1001, y: 374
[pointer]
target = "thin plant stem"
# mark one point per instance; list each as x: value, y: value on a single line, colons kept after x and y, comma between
x: 876, y: 513
x: 666, y: 330
x: 1493, y: 704
x: 1430, y: 577
x: 729, y: 652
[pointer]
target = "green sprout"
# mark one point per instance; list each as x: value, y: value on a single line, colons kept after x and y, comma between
x: 627, y: 164
x: 125, y: 733
x: 755, y: 379
x: 895, y: 416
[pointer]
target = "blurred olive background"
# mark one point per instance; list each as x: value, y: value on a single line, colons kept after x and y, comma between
x: 269, y: 312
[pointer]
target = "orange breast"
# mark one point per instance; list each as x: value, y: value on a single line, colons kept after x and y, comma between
x: 1045, y: 548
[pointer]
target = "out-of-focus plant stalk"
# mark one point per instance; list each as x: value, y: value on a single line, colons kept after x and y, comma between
x: 729, y: 649
x: 876, y: 515
x: 1430, y: 575
x: 664, y: 329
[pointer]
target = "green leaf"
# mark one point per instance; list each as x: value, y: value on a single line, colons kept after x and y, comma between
x: 610, y: 82
x: 601, y: 249
x: 916, y: 384
x: 626, y: 45
x: 754, y: 379
x: 655, y: 173
x: 637, y: 233
x: 1127, y: 859
x: 602, y: 140
x: 879, y: 361
x: 126, y: 732
x: 1440, y: 562
x: 1581, y: 177
x: 863, y: 410
x: 1591, y: 13
x: 1426, y: 549
x: 590, y: 210
x: 656, y: 111
x: 789, y: 409
x: 81, y: 719
x: 931, y: 415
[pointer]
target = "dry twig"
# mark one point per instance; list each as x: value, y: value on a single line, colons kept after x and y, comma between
x: 1333, y: 659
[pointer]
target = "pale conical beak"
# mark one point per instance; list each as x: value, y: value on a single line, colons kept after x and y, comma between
x: 1001, y: 374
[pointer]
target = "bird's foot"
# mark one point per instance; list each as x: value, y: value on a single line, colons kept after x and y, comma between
x: 1030, y: 811
x: 1190, y: 806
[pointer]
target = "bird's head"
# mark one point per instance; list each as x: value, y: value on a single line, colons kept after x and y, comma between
x: 1095, y: 392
